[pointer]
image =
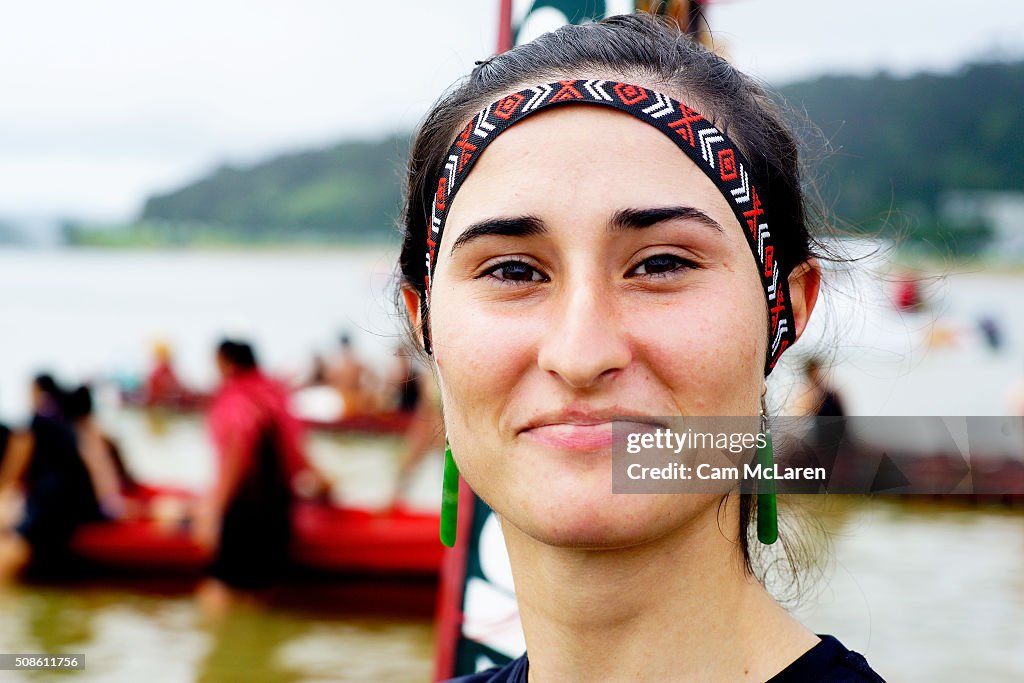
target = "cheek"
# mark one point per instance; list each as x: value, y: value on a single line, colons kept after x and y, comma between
x: 481, y: 354
x: 709, y: 350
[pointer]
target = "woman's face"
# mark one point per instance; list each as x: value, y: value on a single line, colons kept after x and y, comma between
x: 588, y: 269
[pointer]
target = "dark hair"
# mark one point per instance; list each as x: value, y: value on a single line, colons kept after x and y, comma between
x: 638, y: 47
x: 238, y: 354
x: 56, y: 398
x: 70, y: 405
x: 78, y: 403
x: 45, y: 383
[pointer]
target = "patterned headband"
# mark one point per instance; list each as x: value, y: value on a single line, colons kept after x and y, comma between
x: 702, y: 142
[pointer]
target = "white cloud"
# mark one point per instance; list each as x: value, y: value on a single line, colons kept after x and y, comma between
x: 783, y: 40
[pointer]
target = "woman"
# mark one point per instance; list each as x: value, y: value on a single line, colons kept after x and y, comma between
x: 584, y: 270
x: 59, y: 493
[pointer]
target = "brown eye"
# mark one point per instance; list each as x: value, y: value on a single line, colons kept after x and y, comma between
x: 515, y: 271
x: 661, y: 265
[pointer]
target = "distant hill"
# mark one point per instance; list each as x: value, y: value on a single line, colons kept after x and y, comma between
x: 351, y: 190
x: 898, y: 143
x: 903, y: 142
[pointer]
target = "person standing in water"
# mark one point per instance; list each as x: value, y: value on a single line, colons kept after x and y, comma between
x: 58, y: 491
x: 245, y: 519
x: 350, y: 378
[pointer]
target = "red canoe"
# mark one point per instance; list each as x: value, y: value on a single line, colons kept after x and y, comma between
x: 326, y: 538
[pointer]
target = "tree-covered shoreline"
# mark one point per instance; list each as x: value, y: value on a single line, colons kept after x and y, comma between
x: 884, y: 152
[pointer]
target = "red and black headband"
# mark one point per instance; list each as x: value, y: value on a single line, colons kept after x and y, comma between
x: 698, y: 138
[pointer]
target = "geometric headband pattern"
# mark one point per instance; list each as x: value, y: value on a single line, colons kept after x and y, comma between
x: 705, y: 145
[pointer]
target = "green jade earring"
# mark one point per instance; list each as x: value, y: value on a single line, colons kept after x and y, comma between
x: 767, y: 509
x: 449, y: 498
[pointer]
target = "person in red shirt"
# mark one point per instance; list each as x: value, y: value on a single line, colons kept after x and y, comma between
x: 162, y: 384
x: 260, y: 455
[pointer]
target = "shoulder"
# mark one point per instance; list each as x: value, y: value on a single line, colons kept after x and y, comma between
x: 829, y: 662
x: 513, y: 672
x: 234, y: 395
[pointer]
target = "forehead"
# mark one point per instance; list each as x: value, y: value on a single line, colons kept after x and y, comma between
x: 587, y: 159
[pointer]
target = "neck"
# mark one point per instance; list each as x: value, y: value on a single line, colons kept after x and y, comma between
x: 682, y: 607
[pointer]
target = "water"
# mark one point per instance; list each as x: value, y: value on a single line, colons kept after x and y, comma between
x: 927, y: 593
x: 139, y: 637
x: 94, y: 313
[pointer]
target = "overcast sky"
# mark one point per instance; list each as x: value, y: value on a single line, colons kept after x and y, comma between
x: 106, y: 101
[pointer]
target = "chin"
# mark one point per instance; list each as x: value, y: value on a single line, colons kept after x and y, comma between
x: 603, y: 522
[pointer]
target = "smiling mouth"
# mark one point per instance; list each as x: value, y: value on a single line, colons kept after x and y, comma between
x: 583, y: 436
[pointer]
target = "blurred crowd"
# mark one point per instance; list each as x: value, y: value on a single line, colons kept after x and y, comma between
x: 61, y: 471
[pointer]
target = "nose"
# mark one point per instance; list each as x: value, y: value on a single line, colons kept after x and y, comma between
x: 586, y: 342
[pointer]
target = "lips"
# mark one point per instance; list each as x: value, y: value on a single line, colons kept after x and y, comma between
x: 573, y: 436
x: 581, y: 430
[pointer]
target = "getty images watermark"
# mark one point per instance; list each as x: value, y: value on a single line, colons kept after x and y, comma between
x: 665, y: 440
x: 883, y: 455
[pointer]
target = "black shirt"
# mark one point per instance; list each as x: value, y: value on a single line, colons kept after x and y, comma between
x: 827, y: 662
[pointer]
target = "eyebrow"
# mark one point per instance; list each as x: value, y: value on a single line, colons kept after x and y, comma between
x: 517, y: 226
x: 638, y: 219
x: 622, y: 220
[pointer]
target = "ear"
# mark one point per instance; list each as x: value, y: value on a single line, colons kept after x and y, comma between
x: 411, y: 297
x: 804, y: 283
